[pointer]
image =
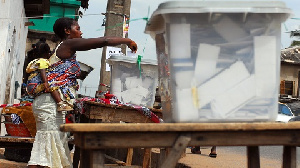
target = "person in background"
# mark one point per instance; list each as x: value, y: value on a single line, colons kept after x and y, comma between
x: 50, y: 148
x: 213, y: 151
x: 70, y: 118
x: 31, y: 55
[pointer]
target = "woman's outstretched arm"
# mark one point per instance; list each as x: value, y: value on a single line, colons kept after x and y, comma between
x: 70, y: 46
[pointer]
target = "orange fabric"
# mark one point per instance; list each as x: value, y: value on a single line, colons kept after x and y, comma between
x: 26, y: 114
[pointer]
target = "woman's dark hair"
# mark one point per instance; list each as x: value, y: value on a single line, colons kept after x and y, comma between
x: 60, y: 25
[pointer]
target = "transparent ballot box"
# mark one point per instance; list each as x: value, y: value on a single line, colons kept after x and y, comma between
x: 219, y: 61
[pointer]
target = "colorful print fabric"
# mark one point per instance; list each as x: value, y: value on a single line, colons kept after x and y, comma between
x: 61, y: 75
x: 79, y: 104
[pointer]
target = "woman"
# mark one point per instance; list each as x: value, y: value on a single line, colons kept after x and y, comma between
x: 50, y: 148
x: 37, y: 82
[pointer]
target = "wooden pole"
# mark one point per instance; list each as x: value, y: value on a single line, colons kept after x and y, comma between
x: 115, y: 12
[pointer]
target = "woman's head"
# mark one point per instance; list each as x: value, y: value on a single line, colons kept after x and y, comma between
x: 66, y: 28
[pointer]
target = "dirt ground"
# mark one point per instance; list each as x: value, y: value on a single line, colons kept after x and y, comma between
x: 223, y: 160
x: 9, y: 164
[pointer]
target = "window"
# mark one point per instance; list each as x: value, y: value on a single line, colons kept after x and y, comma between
x: 287, y: 87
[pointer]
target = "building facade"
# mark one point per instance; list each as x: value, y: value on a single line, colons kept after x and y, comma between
x: 290, y: 72
x: 13, y: 33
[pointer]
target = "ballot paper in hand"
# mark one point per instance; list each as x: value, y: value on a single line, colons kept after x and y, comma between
x: 111, y: 51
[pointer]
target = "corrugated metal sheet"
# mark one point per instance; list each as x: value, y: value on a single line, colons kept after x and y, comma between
x: 291, y: 55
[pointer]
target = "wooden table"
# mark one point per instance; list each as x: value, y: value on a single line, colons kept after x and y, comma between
x: 110, y: 113
x: 115, y: 113
x: 92, y: 138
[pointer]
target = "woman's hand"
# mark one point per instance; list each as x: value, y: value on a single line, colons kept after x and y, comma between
x: 132, y: 45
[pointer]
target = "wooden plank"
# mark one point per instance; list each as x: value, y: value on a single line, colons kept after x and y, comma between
x: 253, y: 157
x: 16, y: 142
x: 90, y: 106
x: 129, y: 156
x: 86, y: 158
x: 166, y: 139
x: 182, y: 127
x: 16, y: 139
x: 115, y: 115
x: 116, y: 166
x: 289, y: 157
x: 175, y: 153
x: 15, y: 145
x: 162, y: 156
x: 147, y: 158
x: 117, y: 161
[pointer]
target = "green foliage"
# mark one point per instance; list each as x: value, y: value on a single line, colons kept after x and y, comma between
x: 295, y: 43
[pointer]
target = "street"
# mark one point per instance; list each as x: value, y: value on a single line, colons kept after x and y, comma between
x: 235, y: 157
x: 228, y: 157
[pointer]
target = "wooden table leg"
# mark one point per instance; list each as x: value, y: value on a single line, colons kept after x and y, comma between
x: 129, y: 157
x: 85, y: 158
x: 162, y: 155
x: 147, y: 158
x: 76, y: 157
x: 289, y: 157
x: 253, y: 157
x: 176, y: 151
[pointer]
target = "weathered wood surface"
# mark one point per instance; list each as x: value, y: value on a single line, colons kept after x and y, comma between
x: 16, y: 142
x: 116, y: 161
x: 20, y: 142
x: 115, y: 113
x: 129, y: 156
x: 116, y: 166
x: 149, y: 135
x: 182, y: 127
x: 289, y: 157
x: 253, y: 157
x: 146, y: 159
x: 92, y: 137
x: 175, y: 153
x: 16, y: 139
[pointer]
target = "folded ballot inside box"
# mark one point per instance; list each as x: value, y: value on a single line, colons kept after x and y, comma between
x: 133, y: 81
x: 223, y: 59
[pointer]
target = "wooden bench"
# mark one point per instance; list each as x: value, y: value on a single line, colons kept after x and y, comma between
x: 93, y: 138
x: 16, y: 142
